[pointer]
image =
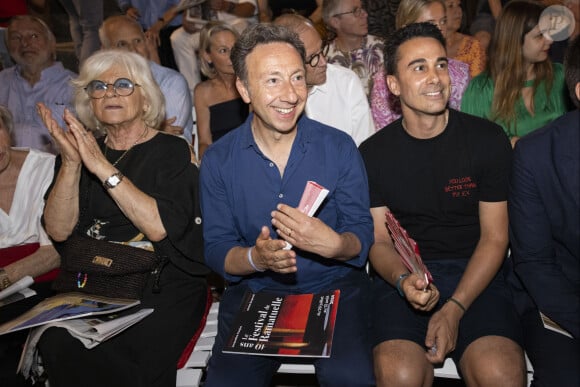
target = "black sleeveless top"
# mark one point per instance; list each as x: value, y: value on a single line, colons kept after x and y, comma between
x: 225, y: 116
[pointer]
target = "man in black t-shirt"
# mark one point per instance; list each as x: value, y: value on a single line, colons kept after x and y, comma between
x: 444, y: 175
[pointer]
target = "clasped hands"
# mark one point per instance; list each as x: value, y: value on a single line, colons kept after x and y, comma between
x: 77, y: 145
x: 304, y: 232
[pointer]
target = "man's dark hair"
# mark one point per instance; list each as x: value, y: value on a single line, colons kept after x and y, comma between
x: 572, y: 69
x: 402, y: 35
x: 262, y: 33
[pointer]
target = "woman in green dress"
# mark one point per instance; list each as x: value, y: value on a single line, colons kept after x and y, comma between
x: 521, y: 90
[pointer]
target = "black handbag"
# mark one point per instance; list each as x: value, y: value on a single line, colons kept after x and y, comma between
x: 104, y: 268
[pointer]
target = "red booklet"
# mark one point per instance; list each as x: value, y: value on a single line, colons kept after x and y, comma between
x: 407, y: 248
x: 300, y: 325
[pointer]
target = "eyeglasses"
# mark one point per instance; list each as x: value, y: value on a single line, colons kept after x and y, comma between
x: 315, y: 58
x: 123, y: 87
x: 357, y: 12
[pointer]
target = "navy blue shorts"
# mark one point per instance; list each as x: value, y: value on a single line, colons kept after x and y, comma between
x: 492, y: 313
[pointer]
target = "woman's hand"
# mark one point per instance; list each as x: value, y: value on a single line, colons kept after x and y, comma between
x: 64, y: 139
x: 88, y: 148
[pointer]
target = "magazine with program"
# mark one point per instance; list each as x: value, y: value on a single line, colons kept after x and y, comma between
x: 91, y: 331
x: 19, y: 290
x: 66, y: 306
x: 295, y: 325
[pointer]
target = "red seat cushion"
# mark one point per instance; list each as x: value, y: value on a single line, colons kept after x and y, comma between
x: 189, y: 348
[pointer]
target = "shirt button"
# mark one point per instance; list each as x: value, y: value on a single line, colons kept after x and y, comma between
x: 271, y: 164
x: 280, y: 196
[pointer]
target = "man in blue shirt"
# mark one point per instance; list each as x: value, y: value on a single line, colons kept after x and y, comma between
x: 36, y: 77
x: 251, y: 183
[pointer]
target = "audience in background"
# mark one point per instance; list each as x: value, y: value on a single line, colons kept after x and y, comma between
x: 544, y: 204
x: 462, y: 47
x: 36, y: 77
x: 218, y: 105
x: 123, y: 33
x: 385, y: 106
x: 381, y: 17
x: 335, y: 95
x: 484, y: 22
x: 185, y: 40
x: 352, y: 46
x: 271, y: 9
x: 521, y: 89
x: 158, y: 18
x: 444, y: 175
x: 85, y: 18
x: 558, y: 48
x: 7, y: 10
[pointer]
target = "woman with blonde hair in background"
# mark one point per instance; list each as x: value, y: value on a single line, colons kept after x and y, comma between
x: 218, y: 105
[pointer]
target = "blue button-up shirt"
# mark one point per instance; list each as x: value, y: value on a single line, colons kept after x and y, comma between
x: 240, y: 187
x: 177, y: 97
x: 53, y: 88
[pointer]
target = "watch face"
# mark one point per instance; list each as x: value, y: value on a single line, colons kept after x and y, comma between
x: 113, y: 180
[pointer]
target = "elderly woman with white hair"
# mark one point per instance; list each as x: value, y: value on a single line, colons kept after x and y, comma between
x: 134, y: 185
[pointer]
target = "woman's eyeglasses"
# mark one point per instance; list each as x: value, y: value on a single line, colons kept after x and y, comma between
x: 315, y: 58
x: 122, y: 87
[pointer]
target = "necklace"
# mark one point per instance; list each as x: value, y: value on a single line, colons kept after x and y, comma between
x: 141, y: 137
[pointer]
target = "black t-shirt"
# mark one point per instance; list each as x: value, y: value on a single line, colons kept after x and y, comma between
x: 434, y: 186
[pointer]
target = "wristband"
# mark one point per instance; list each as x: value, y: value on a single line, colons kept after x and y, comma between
x: 251, y: 261
x: 398, y: 284
x: 459, y: 304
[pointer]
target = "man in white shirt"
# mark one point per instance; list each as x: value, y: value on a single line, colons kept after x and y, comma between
x: 335, y: 94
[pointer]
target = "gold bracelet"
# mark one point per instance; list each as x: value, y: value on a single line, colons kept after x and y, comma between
x: 4, y: 280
